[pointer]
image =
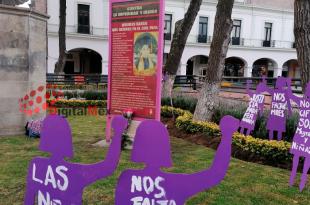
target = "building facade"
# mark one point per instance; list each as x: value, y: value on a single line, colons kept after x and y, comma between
x: 262, y: 40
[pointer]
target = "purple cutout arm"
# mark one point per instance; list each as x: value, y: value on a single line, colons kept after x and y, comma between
x: 216, y: 173
x: 290, y: 94
x: 30, y: 195
x: 108, y: 166
x: 289, y: 106
x: 269, y: 90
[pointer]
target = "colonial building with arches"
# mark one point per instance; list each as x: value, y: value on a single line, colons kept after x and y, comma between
x: 262, y: 40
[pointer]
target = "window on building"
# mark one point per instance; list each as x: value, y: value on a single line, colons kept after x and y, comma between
x: 236, y: 32
x: 203, y: 30
x: 83, y: 19
x: 168, y: 26
x: 268, y: 32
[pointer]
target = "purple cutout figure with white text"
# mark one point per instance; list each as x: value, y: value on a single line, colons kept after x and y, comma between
x: 153, y: 186
x: 54, y: 181
x: 280, y: 107
x: 256, y: 107
x: 301, y: 141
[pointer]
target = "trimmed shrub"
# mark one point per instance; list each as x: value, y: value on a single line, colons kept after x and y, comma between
x: 184, y: 103
x: 88, y: 95
x: 272, y: 151
x: 90, y: 87
x: 223, y: 110
x: 78, y: 103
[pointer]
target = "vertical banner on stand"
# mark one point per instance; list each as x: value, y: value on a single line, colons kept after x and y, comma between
x: 136, y: 57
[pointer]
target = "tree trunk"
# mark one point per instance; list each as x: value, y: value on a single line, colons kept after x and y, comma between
x: 167, y: 85
x: 182, y: 30
x: 59, y: 67
x: 302, y: 38
x: 208, y: 96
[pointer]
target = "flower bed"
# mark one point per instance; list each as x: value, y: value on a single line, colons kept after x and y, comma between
x: 78, y: 103
x: 271, y: 151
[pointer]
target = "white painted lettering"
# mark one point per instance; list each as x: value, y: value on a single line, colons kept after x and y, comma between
x: 60, y: 171
x: 34, y: 178
x: 136, y: 184
x: 158, y: 187
x: 148, y: 185
x: 50, y: 178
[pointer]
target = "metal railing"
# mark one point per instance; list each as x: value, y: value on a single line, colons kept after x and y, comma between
x: 244, y: 42
x: 191, y: 82
x: 68, y: 79
x: 239, y: 83
x: 186, y: 81
x: 200, y: 40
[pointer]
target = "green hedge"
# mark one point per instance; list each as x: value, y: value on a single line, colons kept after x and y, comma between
x: 78, y: 103
x: 88, y: 95
x: 89, y: 87
x: 272, y: 151
x: 185, y: 103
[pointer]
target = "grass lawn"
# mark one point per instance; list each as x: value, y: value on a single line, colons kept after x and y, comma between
x: 246, y: 183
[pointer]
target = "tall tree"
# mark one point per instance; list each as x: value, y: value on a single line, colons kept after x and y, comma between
x: 302, y: 37
x: 209, y: 94
x: 59, y: 67
x: 183, y: 28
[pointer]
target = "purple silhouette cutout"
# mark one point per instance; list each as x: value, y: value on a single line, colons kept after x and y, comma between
x: 256, y: 106
x: 54, y: 181
x: 279, y: 105
x: 153, y: 186
x: 301, y: 141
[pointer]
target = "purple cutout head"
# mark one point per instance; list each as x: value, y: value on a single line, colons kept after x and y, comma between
x: 261, y: 87
x: 56, y: 137
x: 281, y: 82
x: 55, y: 181
x: 153, y: 186
x: 152, y: 145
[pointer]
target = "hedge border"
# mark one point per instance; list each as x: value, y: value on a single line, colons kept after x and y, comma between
x: 271, y: 150
x: 78, y: 103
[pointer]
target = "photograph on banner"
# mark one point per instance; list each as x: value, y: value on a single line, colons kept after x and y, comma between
x: 145, y: 53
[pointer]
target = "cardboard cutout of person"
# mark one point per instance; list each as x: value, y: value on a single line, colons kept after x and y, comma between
x: 256, y: 107
x: 280, y: 108
x: 153, y: 186
x: 54, y: 181
x: 301, y: 141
